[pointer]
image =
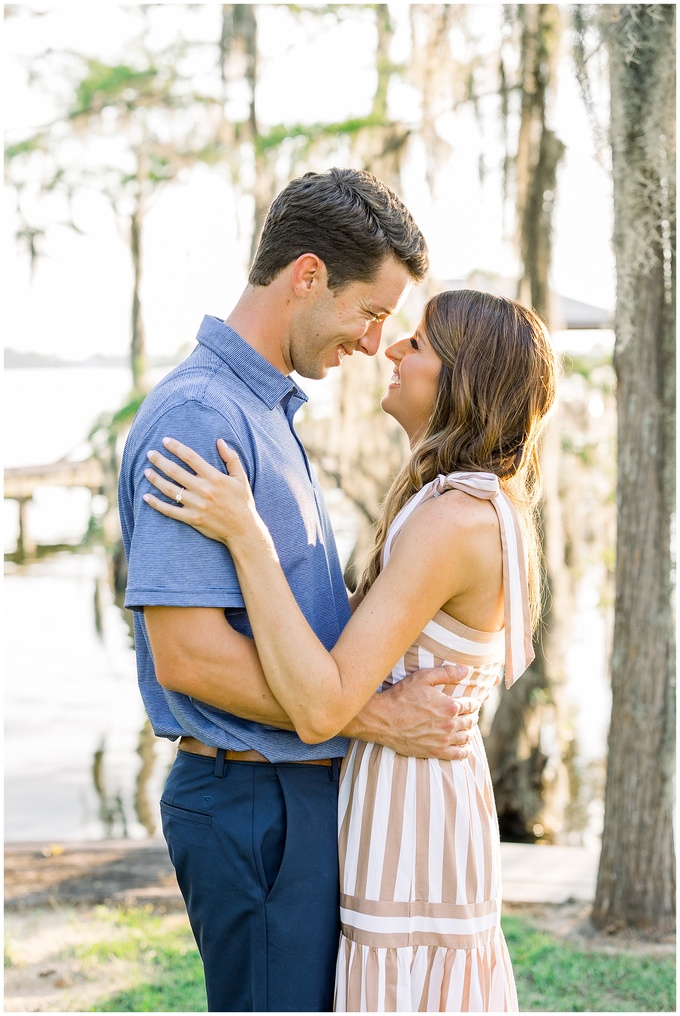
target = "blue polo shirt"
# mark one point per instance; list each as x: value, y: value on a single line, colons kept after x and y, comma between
x: 226, y: 389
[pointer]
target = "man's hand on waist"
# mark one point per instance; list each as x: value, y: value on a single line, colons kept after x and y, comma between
x: 415, y: 717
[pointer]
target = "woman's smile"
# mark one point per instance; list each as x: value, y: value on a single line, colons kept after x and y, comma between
x: 416, y: 369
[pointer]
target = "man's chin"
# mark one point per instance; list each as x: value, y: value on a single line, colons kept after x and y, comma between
x: 316, y: 371
x: 313, y: 371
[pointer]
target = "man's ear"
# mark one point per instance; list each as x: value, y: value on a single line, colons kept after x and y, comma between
x: 309, y: 275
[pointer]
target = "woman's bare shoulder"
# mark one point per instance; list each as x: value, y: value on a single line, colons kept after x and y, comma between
x: 455, y: 530
x: 457, y: 514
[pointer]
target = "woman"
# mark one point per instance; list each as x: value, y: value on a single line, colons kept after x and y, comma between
x: 453, y: 577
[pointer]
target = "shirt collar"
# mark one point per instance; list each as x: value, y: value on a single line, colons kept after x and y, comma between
x: 263, y: 379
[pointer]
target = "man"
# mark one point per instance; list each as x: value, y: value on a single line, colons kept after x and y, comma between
x: 249, y: 810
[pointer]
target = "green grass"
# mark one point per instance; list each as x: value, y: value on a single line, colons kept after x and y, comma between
x: 169, y: 974
x: 9, y: 959
x: 551, y: 975
x: 556, y: 976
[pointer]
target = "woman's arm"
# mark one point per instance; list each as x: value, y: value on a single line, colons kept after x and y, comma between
x: 320, y: 691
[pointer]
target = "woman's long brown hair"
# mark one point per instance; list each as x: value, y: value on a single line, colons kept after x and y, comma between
x: 496, y: 387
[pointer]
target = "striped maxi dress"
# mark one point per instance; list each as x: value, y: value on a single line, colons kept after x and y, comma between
x: 420, y: 878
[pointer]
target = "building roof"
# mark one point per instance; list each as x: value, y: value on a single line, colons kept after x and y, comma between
x: 568, y: 313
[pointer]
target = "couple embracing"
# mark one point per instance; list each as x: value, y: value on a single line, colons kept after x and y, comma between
x: 320, y: 734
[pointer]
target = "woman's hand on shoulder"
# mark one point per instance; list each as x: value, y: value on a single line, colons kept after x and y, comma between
x: 218, y: 504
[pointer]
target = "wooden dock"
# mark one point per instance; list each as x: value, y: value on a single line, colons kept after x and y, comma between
x: 21, y: 483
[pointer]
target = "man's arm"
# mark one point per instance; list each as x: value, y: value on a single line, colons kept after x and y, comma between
x: 416, y: 718
x: 198, y: 653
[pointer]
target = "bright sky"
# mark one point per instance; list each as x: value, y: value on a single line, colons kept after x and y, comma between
x: 194, y: 263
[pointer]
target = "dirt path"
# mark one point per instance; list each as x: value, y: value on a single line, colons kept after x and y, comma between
x: 107, y: 871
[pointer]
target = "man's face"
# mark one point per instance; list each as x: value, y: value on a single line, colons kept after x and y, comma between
x: 335, y: 325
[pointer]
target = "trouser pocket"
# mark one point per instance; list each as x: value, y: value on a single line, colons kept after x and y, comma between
x: 269, y: 829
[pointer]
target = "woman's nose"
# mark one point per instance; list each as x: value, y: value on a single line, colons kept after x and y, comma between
x: 396, y: 351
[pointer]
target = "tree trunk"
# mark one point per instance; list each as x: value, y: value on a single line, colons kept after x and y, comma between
x: 264, y: 183
x: 238, y: 61
x: 137, y: 339
x: 524, y: 746
x: 363, y: 449
x: 636, y: 880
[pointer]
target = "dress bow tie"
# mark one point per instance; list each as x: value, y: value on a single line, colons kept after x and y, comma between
x: 483, y: 485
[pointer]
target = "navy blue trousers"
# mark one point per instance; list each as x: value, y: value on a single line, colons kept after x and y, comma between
x: 255, y: 850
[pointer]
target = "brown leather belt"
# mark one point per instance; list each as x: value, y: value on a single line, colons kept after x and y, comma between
x: 198, y: 748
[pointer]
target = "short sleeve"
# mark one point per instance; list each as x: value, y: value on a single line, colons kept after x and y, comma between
x: 169, y: 562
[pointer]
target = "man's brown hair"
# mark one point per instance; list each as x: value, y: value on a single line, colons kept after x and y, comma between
x: 349, y: 219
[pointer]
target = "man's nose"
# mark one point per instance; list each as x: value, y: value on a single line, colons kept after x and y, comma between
x: 370, y: 343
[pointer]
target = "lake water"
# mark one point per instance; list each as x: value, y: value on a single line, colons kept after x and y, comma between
x: 80, y: 761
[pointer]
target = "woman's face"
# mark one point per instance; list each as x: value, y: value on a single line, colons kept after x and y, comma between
x: 412, y: 391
